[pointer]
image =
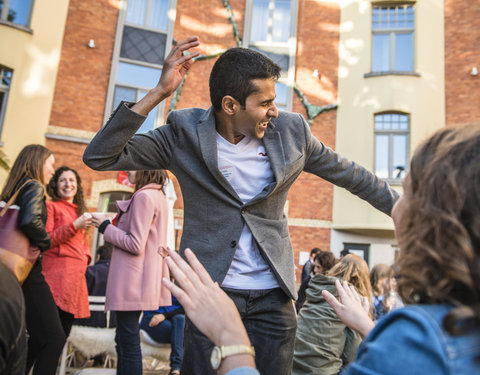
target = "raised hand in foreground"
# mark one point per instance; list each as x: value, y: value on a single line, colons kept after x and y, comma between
x: 352, y: 308
x: 208, y: 307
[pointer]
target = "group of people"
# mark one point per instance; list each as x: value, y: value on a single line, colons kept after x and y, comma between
x: 56, y: 289
x: 235, y: 164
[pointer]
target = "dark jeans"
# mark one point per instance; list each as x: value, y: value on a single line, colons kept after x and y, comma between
x: 168, y: 331
x: 67, y: 321
x: 127, y: 338
x: 46, y: 335
x: 271, y: 323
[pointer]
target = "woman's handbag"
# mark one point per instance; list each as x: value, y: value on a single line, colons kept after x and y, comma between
x: 16, y: 252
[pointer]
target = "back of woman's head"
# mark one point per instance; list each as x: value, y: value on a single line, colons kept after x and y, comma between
x: 28, y: 164
x: 157, y: 176
x: 378, y: 275
x: 354, y: 270
x: 326, y: 259
x: 52, y: 188
x: 439, y: 235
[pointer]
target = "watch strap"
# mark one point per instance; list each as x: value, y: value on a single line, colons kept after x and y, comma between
x: 236, y: 349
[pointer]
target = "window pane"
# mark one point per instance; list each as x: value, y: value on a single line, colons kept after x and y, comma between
x: 124, y: 93
x: 259, y: 21
x: 281, y: 98
x: 19, y: 11
x: 404, y: 52
x: 143, y: 45
x: 403, y: 122
x: 159, y: 14
x: 281, y: 21
x: 137, y: 75
x: 381, y: 156
x: 136, y: 12
x: 149, y: 122
x: 399, y: 156
x: 380, y: 52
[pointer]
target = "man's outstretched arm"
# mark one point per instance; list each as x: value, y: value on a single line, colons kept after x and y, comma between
x: 116, y: 147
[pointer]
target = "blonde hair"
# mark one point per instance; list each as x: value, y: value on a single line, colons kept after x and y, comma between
x: 354, y: 270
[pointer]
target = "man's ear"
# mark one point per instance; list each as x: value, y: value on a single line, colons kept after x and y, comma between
x: 230, y: 105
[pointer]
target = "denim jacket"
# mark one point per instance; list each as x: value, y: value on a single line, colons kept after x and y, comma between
x: 412, y: 340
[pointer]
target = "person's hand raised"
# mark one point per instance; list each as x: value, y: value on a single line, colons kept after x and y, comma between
x: 176, y: 65
x: 352, y: 308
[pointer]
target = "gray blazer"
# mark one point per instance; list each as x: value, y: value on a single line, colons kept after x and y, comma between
x: 213, y: 213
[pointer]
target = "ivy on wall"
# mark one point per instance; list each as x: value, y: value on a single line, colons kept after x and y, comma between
x: 312, y: 110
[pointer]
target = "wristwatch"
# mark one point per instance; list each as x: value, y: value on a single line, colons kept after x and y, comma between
x: 221, y: 352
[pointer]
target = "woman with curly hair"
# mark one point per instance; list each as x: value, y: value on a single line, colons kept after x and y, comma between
x: 437, y: 224
x: 65, y: 263
x: 323, y: 344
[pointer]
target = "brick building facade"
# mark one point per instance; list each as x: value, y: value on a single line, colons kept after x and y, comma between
x: 78, y: 109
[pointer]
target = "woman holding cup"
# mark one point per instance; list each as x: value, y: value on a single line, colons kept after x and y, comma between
x: 65, y: 263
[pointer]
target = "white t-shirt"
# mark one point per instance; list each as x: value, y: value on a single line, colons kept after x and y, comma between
x: 246, y: 167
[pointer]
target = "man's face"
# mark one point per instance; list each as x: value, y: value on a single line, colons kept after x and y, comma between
x: 259, y: 109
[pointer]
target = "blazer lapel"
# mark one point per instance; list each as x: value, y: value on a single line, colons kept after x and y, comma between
x: 208, y: 146
x: 274, y: 147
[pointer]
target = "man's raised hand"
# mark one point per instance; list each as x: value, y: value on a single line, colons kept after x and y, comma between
x: 175, y: 67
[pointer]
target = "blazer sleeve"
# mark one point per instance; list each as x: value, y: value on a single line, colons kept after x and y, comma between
x: 60, y: 234
x: 117, y: 147
x: 30, y: 216
x: 141, y: 217
x: 329, y: 165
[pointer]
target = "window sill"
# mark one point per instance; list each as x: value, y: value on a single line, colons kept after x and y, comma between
x: 393, y: 182
x: 390, y: 73
x: 16, y: 26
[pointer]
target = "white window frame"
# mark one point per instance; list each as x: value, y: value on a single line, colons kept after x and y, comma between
x: 6, y: 90
x: 391, y: 133
x: 392, y: 32
x: 117, y: 59
x: 289, y: 48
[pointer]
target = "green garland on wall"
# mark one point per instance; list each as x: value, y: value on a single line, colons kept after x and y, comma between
x: 312, y: 110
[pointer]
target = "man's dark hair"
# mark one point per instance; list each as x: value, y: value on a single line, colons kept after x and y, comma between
x: 105, y: 251
x: 234, y: 71
x: 314, y: 251
x: 344, y: 252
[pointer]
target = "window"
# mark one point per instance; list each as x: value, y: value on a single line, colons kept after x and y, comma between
x: 5, y: 80
x: 391, y: 145
x: 16, y: 11
x: 362, y: 250
x: 392, y: 38
x: 143, y: 38
x: 270, y: 28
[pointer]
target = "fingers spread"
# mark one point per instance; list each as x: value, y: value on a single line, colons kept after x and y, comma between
x: 198, y: 267
x: 331, y: 300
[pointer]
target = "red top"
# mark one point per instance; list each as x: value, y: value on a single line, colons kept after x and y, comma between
x: 64, y: 264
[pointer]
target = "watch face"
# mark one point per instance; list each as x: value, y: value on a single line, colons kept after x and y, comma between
x: 216, y: 358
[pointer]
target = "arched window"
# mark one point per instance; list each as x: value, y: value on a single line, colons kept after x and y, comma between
x: 392, y: 134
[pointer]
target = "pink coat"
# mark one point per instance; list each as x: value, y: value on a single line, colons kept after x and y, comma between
x: 137, y: 266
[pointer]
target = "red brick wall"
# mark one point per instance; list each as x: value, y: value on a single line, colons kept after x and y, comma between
x: 462, y: 52
x: 83, y: 73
